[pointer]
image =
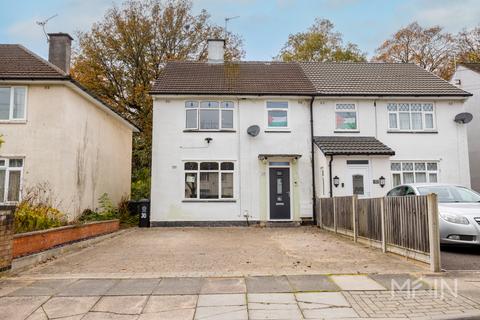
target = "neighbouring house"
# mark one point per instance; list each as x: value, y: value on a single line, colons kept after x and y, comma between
x: 58, y: 135
x: 257, y: 140
x: 467, y: 77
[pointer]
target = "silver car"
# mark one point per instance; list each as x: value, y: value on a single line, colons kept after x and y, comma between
x: 459, y: 209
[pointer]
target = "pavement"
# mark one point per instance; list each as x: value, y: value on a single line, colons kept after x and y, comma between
x: 220, y: 252
x: 398, y: 296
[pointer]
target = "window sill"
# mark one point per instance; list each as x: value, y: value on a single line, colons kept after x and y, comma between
x: 13, y: 121
x: 346, y: 131
x: 278, y: 131
x: 210, y: 200
x: 209, y: 131
x: 412, y: 132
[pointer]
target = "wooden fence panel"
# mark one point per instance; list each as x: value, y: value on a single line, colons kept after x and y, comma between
x: 344, y: 210
x: 407, y: 222
x: 370, y: 218
x: 326, y: 212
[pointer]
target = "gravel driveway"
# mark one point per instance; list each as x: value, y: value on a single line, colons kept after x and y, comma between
x: 224, y: 252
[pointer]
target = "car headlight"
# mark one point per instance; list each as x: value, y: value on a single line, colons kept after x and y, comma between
x: 453, y: 218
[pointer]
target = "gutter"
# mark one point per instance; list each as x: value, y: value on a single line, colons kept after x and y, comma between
x: 314, y: 192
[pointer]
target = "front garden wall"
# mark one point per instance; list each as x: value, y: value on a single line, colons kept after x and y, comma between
x: 37, y: 241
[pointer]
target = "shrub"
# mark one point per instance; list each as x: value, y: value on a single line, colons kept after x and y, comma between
x: 107, y: 211
x: 141, y: 184
x: 33, y: 217
x: 37, y: 211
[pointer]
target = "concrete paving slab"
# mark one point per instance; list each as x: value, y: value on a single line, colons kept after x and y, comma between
x: 315, y: 300
x: 271, y: 298
x: 397, y: 282
x: 356, y: 282
x: 179, y: 314
x: 56, y: 306
x: 223, y: 285
x: 108, y: 316
x: 88, y: 287
x: 9, y: 286
x: 277, y: 314
x: 39, y: 314
x: 271, y: 306
x: 133, y: 287
x: 121, y: 304
x: 222, y: 313
x: 172, y: 286
x: 304, y: 283
x: 168, y: 303
x: 267, y: 284
x: 43, y: 287
x: 18, y: 308
x: 330, y: 313
x: 215, y: 300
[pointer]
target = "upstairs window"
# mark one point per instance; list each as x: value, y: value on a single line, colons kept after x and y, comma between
x: 277, y: 114
x: 12, y: 103
x: 10, y: 180
x: 209, y: 115
x: 411, y: 116
x: 346, y: 116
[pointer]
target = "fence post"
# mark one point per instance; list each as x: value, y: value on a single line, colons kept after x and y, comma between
x: 384, y: 233
x: 334, y: 215
x: 319, y: 210
x: 433, y: 233
x: 354, y: 217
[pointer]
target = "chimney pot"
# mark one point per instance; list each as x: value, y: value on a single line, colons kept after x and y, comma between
x: 216, y: 50
x: 59, y: 50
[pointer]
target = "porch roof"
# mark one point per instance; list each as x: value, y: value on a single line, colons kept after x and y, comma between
x: 333, y: 145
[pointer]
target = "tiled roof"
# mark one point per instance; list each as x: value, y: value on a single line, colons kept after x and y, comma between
x: 335, y: 145
x: 246, y: 78
x: 17, y: 62
x: 472, y: 66
x: 306, y: 78
x: 364, y: 78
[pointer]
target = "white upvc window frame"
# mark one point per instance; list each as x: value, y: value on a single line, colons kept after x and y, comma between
x: 415, y: 170
x: 283, y: 109
x: 224, y: 105
x: 355, y: 110
x: 12, y: 99
x: 424, y: 113
x: 6, y: 166
x: 199, y: 171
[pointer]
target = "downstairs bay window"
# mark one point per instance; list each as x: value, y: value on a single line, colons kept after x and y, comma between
x: 414, y: 172
x: 10, y: 180
x: 209, y: 180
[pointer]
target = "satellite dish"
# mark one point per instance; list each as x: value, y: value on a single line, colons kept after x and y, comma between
x: 464, y: 117
x: 253, y: 130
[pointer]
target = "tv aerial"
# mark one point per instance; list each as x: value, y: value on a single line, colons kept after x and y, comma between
x: 227, y: 19
x: 44, y: 23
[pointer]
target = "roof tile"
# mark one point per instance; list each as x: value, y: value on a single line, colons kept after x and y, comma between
x: 334, y: 145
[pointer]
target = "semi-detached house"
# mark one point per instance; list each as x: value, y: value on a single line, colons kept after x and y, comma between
x: 237, y: 141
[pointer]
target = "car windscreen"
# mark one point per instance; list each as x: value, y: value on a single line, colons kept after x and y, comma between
x: 451, y: 193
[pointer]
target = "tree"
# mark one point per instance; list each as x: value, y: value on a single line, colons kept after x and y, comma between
x: 122, y: 55
x: 468, y: 43
x: 319, y: 43
x: 431, y: 48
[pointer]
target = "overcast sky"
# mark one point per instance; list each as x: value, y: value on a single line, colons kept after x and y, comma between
x: 263, y: 24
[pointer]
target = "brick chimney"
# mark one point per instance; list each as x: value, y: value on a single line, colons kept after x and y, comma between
x: 59, y: 50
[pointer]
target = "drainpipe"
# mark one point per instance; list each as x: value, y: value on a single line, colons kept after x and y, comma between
x: 314, y: 192
x: 330, y: 178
